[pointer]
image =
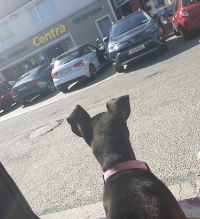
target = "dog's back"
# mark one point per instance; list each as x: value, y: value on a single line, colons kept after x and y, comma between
x: 138, y: 194
x: 129, y: 194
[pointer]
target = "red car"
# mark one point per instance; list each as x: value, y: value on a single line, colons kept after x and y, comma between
x: 186, y: 17
x: 6, y: 99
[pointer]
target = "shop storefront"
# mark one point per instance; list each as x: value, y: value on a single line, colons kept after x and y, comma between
x: 81, y: 28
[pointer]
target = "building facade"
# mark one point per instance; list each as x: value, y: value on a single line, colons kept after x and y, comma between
x: 34, y: 32
x: 41, y: 30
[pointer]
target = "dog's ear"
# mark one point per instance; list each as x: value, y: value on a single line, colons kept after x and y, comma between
x: 120, y: 106
x: 79, y: 120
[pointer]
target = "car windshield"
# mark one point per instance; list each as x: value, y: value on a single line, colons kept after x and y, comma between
x: 129, y: 23
x: 185, y: 3
x: 65, y: 58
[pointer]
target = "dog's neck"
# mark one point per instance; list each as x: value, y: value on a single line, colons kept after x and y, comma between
x: 114, y: 147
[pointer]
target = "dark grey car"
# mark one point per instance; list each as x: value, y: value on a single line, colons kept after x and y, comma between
x: 34, y: 82
x: 132, y: 37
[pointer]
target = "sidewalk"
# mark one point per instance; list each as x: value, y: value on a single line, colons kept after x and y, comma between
x: 184, y: 193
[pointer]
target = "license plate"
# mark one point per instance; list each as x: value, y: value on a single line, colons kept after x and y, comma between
x: 22, y: 88
x: 66, y: 71
x: 137, y: 49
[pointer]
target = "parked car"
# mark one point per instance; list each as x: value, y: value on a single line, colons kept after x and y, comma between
x: 132, y: 37
x: 6, y: 99
x: 33, y: 83
x: 75, y: 65
x: 186, y: 17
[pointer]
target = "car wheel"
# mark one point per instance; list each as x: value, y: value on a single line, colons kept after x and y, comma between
x: 119, y: 69
x: 93, y: 71
x: 176, y: 33
x: 6, y: 105
x: 50, y: 86
x: 185, y: 35
x: 164, y: 48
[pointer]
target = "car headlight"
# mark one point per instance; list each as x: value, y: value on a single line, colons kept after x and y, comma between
x: 114, y: 46
x: 152, y: 28
x: 111, y: 46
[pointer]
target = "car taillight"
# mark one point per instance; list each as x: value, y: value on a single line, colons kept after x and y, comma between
x: 32, y: 83
x: 79, y: 64
x: 161, y: 30
x: 12, y: 92
x: 53, y: 75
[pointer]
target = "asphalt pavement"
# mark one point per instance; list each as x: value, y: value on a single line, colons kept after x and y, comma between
x: 57, y: 172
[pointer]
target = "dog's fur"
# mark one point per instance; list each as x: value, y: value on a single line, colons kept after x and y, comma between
x: 131, y: 194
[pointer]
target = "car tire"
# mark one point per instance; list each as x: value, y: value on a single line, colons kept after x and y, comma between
x: 120, y: 68
x: 176, y: 33
x: 50, y: 86
x: 164, y: 48
x: 93, y: 71
x: 185, y: 35
x: 6, y: 105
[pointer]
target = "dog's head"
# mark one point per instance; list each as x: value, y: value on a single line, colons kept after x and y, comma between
x: 107, y: 132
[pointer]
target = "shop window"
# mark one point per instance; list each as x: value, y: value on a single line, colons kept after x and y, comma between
x: 149, y: 8
x: 68, y: 43
x: 39, y: 12
x: 30, y: 63
x: 15, y: 72
x: 40, y: 59
x: 5, y: 33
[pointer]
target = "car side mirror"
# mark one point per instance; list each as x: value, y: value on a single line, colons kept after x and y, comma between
x: 170, y: 14
x: 106, y: 39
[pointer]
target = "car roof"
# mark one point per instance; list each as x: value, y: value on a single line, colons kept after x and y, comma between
x: 130, y: 15
x: 71, y: 50
x: 74, y: 49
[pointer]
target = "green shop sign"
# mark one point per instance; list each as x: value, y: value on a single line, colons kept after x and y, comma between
x: 119, y: 3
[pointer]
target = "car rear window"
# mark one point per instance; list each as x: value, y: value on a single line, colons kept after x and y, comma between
x: 27, y: 77
x: 129, y: 23
x: 68, y: 57
x: 187, y: 2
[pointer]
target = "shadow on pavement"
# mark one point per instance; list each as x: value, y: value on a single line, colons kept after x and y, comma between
x: 13, y: 107
x: 40, y: 98
x: 103, y: 74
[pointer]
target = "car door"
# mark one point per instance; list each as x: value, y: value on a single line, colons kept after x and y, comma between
x: 175, y: 15
x: 95, y: 56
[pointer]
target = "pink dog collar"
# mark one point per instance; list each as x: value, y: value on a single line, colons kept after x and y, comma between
x: 127, y: 165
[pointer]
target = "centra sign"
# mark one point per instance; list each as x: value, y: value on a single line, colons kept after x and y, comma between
x: 38, y: 40
x: 119, y: 3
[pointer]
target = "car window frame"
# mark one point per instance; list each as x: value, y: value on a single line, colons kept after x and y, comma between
x: 92, y: 47
x: 8, y: 88
x: 10, y: 84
